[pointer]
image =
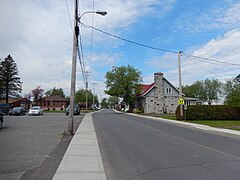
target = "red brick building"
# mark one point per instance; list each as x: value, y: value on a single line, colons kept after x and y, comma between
x: 53, y: 103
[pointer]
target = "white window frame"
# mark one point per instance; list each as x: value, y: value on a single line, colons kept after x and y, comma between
x: 169, y: 90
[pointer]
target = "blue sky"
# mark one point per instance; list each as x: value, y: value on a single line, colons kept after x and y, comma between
x: 39, y: 37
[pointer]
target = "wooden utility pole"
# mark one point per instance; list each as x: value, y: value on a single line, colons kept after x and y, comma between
x: 74, y: 63
x: 94, y: 94
x: 86, y: 90
x: 180, y: 84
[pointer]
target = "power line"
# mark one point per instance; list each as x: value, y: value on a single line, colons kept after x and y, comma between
x: 69, y: 17
x: 93, y: 6
x: 129, y: 41
x: 210, y: 60
x: 204, y: 68
x: 161, y: 49
x: 80, y: 56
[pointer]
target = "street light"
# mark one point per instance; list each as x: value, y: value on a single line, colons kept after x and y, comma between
x: 74, y: 62
x: 102, y: 13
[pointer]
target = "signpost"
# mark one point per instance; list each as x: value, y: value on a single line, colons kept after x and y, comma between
x: 238, y: 78
x: 181, y: 101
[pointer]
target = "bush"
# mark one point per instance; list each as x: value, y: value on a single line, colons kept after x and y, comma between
x: 214, y: 112
x: 138, y: 111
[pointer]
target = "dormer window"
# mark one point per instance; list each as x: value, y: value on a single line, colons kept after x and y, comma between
x: 169, y: 90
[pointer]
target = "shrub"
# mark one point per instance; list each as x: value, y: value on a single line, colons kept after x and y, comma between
x: 214, y: 112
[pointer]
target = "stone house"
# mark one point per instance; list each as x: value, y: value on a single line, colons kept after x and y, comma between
x: 160, y: 96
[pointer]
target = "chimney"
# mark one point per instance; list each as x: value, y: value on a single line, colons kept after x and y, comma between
x: 159, y: 92
x: 158, y: 78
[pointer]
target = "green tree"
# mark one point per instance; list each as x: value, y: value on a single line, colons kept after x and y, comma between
x: 80, y: 97
x: 113, y: 100
x: 55, y: 92
x: 206, y: 91
x: 104, y: 103
x: 10, y: 82
x: 124, y: 82
x: 195, y: 90
x: 212, y: 89
x: 232, y: 93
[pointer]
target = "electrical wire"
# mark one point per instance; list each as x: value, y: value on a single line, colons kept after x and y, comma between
x: 80, y: 57
x: 69, y: 17
x: 161, y: 49
x: 129, y: 41
x: 204, y: 68
x: 91, y: 59
x: 210, y: 60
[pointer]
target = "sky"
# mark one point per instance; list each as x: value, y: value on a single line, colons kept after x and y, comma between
x: 38, y: 35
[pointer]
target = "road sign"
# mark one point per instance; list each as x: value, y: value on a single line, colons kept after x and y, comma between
x: 181, y: 101
x: 238, y: 78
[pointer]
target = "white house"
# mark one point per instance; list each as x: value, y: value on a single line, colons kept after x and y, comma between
x: 160, y: 96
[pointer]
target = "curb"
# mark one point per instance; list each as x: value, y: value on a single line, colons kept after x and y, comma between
x: 198, y: 126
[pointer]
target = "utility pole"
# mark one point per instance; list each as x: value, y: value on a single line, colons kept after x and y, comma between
x: 180, y: 84
x: 93, y: 94
x: 74, y: 63
x: 86, y: 90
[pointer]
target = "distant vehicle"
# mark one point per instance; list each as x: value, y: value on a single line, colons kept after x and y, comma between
x: 1, y: 118
x: 17, y: 111
x: 76, y: 110
x: 5, y: 107
x: 35, y: 110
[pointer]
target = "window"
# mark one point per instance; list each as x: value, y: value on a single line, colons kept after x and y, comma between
x: 169, y: 90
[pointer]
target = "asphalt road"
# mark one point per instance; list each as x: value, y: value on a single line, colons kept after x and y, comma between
x: 140, y: 148
x: 31, y: 147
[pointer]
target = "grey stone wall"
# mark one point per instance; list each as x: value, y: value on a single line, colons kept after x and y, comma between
x: 159, y: 91
x: 149, y: 105
x: 171, y: 103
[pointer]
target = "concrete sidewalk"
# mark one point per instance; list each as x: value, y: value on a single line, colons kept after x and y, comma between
x: 82, y: 160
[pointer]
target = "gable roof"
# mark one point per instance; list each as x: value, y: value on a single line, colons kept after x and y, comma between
x: 54, y: 98
x: 171, y: 85
x: 144, y: 88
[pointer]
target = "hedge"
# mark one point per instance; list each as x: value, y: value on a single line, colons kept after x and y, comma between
x: 213, y: 112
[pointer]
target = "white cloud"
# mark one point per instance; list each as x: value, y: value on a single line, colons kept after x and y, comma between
x: 220, y: 18
x: 38, y: 36
x: 221, y: 49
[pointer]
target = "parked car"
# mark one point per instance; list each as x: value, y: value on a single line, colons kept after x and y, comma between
x: 35, y: 110
x: 76, y: 110
x: 5, y: 107
x: 1, y: 118
x: 17, y: 111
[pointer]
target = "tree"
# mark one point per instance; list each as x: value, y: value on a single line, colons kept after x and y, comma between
x: 232, y: 93
x: 104, y: 103
x: 195, y: 90
x: 124, y: 82
x: 37, y: 93
x: 28, y: 96
x: 206, y: 91
x: 55, y: 92
x: 80, y: 97
x: 212, y: 90
x: 10, y: 82
x: 113, y: 100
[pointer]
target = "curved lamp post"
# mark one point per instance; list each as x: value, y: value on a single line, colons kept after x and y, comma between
x: 74, y: 62
x: 102, y: 13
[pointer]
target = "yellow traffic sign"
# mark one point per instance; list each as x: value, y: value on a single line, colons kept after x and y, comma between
x: 181, y: 101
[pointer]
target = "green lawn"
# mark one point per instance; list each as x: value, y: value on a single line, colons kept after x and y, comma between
x: 235, y: 125
x: 230, y: 124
